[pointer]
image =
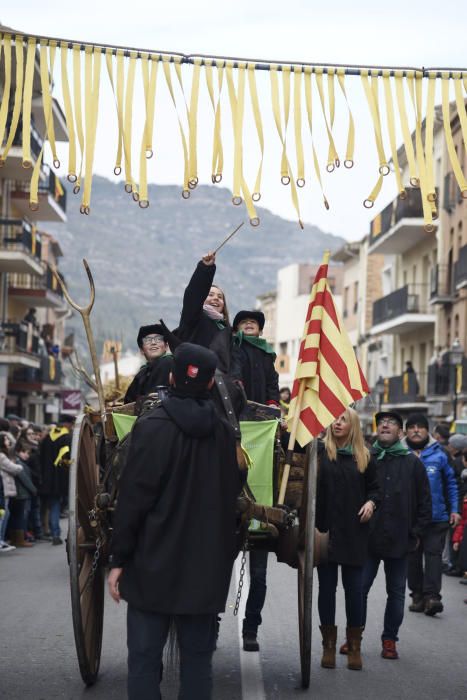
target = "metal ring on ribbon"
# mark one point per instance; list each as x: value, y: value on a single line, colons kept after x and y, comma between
x: 34, y: 206
x: 403, y: 194
x: 56, y: 163
x: 256, y: 196
x: 301, y: 182
x: 368, y: 203
x: 128, y: 188
x: 76, y: 189
x: 186, y: 194
x: 149, y: 153
x: 254, y: 221
x: 26, y: 164
x: 432, y: 196
x: 337, y: 163
x: 237, y: 200
x: 143, y: 203
x: 135, y: 196
x: 384, y: 169
x: 84, y: 210
x: 71, y: 177
x: 348, y: 163
x: 117, y: 170
x: 330, y: 167
x: 285, y: 179
x: 415, y: 182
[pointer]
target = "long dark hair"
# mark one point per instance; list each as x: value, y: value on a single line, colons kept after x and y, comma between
x: 3, y: 447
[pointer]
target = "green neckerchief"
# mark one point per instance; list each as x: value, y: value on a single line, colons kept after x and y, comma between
x: 149, y: 363
x: 220, y: 324
x: 396, y: 450
x: 256, y: 341
x: 347, y: 450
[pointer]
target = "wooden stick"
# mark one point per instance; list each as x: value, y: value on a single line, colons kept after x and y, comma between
x: 293, y: 433
x: 114, y: 352
x: 228, y: 238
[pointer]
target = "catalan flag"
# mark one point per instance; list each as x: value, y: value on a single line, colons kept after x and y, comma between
x: 328, y: 377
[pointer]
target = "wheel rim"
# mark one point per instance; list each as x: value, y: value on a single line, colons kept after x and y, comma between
x: 86, y: 581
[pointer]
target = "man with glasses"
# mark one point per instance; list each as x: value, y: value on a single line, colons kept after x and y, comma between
x: 397, y: 524
x: 425, y: 564
x: 152, y: 343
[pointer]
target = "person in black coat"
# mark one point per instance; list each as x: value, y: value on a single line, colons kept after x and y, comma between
x: 174, y: 538
x: 347, y: 496
x: 55, y: 452
x: 152, y: 343
x: 260, y: 381
x: 395, y: 529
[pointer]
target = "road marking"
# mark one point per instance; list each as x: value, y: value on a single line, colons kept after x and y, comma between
x: 250, y: 662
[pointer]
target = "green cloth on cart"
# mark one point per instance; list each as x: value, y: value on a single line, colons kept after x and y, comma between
x: 258, y: 441
x: 123, y: 424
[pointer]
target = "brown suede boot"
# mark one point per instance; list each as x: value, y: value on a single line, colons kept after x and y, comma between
x: 17, y: 539
x: 329, y: 634
x: 354, y: 640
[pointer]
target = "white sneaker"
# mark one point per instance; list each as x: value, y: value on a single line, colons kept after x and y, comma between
x: 4, y: 547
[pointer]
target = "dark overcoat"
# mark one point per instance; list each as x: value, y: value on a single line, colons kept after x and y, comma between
x: 405, y: 509
x: 260, y: 379
x: 151, y: 375
x: 55, y: 448
x: 175, y: 523
x: 341, y: 492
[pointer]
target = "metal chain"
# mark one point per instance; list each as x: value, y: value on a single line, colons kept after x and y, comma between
x: 240, y: 581
x: 94, y: 565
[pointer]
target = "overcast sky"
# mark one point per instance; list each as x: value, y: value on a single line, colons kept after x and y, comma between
x: 397, y: 33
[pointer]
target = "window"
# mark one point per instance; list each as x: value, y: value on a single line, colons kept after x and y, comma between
x: 346, y: 302
x: 355, y: 297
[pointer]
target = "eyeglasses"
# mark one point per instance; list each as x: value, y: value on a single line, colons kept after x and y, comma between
x: 153, y: 340
x: 387, y: 421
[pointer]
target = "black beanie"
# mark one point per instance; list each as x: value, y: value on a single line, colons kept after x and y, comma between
x: 417, y: 419
x: 193, y: 367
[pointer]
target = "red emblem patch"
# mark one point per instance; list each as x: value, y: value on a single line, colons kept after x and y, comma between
x: 192, y: 371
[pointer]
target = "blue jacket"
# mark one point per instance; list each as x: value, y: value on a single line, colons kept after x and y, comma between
x: 443, y: 485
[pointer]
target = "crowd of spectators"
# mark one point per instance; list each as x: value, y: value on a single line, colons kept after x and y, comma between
x: 34, y: 466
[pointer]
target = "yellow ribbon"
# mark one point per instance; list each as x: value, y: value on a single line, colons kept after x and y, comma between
x: 429, y: 125
x: 349, y: 152
x: 256, y: 196
x: 392, y: 132
x: 414, y: 83
x: 333, y: 158
x: 92, y: 76
x: 27, y: 102
x: 68, y: 113
x: 217, y: 150
x: 130, y: 185
x: 193, y: 126
x: 459, y: 175
x: 118, y: 99
x: 18, y: 98
x: 407, y: 137
x: 149, y: 82
x: 78, y: 111
x: 6, y: 44
x: 298, y: 126
x: 168, y: 79
x: 309, y: 108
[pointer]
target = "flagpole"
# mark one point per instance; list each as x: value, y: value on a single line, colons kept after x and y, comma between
x: 293, y: 433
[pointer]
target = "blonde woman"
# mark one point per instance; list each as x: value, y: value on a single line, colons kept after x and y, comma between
x: 347, y: 496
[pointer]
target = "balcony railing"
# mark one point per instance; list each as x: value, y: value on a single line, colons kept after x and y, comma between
x: 442, y: 282
x: 410, y: 207
x: 55, y: 187
x: 460, y: 268
x: 409, y: 299
x: 17, y: 234
x: 36, y: 139
x: 404, y: 388
x: 442, y: 379
x: 50, y: 372
x: 21, y: 337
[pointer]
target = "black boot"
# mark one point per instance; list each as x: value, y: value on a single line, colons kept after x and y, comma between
x: 250, y: 642
x: 418, y: 603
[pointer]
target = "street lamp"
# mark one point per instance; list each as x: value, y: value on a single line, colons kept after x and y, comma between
x: 456, y: 355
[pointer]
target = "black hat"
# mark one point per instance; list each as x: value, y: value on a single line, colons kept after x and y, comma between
x: 147, y: 330
x: 66, y: 418
x: 256, y: 315
x: 389, y: 414
x: 417, y: 419
x: 194, y: 367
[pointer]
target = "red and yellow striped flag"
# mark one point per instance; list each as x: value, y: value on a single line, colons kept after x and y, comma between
x: 328, y: 377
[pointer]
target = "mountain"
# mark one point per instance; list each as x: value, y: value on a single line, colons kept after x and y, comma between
x: 142, y: 259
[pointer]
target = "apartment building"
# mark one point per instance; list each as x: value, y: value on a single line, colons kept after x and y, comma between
x: 32, y: 308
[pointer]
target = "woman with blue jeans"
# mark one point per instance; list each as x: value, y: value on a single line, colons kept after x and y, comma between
x: 8, y: 470
x: 347, y: 495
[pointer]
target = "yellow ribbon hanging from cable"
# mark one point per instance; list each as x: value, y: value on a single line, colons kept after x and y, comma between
x: 333, y: 157
x: 118, y: 99
x: 130, y: 184
x: 392, y: 132
x: 237, y: 105
x: 46, y: 84
x: 27, y: 102
x: 18, y: 98
x: 415, y: 90
x: 350, y: 148
x: 78, y: 111
x: 71, y: 177
x: 168, y: 80
x: 256, y: 196
x: 332, y: 113
x: 459, y: 175
x: 460, y: 104
x: 298, y: 126
x: 429, y: 126
x: 309, y: 108
x: 6, y: 45
x: 406, y: 135
x: 285, y: 171
x: 372, y: 96
x: 92, y: 75
x: 149, y: 82
x: 193, y: 126
x: 217, y: 150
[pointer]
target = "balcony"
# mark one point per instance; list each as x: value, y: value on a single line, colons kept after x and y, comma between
x: 442, y: 380
x: 20, y: 248
x: 402, y: 311
x: 405, y: 391
x: 399, y: 227
x: 51, y: 195
x: 37, y: 291
x: 442, y: 290
x: 47, y: 377
x: 460, y: 269
x: 12, y: 169
x: 21, y: 345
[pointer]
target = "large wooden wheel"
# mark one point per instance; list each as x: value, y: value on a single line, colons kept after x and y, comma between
x: 305, y: 562
x: 86, y: 570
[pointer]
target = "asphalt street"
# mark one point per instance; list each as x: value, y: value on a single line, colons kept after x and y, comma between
x: 38, y: 660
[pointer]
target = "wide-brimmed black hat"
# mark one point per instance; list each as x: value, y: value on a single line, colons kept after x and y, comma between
x: 390, y: 414
x: 417, y: 419
x: 256, y: 315
x: 147, y: 330
x: 193, y: 367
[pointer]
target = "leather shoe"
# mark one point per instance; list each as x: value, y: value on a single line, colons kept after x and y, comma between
x: 418, y: 604
x: 389, y: 650
x: 433, y: 606
x: 250, y: 642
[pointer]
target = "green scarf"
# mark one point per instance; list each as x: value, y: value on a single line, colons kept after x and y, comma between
x: 347, y: 450
x: 395, y: 450
x: 256, y: 341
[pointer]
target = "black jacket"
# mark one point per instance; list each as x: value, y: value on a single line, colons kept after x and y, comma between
x: 175, y: 522
x: 24, y: 486
x: 196, y: 326
x: 150, y: 376
x: 54, y: 453
x: 260, y: 379
x: 341, y: 492
x: 405, y: 509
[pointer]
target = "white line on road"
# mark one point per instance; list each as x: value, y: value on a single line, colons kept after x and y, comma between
x: 250, y: 662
